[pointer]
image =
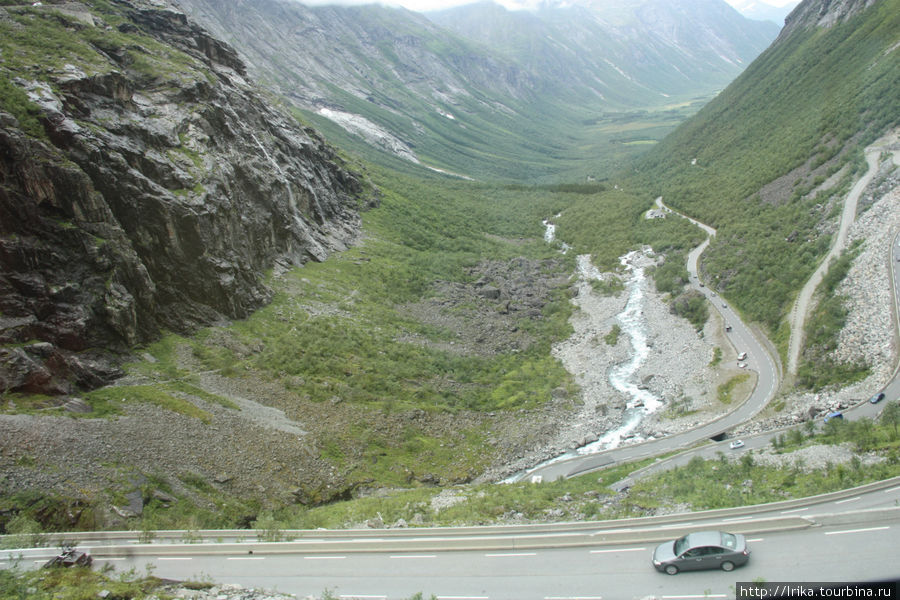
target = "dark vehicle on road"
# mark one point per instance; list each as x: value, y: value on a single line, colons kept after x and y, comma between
x: 877, y: 398
x: 834, y: 416
x: 70, y: 557
x: 702, y: 550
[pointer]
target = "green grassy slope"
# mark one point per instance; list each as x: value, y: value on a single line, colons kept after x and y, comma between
x: 802, y: 110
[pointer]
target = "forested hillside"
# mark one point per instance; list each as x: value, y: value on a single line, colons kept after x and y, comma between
x: 749, y: 161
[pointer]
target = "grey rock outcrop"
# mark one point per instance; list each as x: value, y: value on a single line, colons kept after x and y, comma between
x: 163, y: 187
x: 821, y: 13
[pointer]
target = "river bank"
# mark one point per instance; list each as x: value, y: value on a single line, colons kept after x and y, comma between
x: 656, y: 378
x: 676, y: 369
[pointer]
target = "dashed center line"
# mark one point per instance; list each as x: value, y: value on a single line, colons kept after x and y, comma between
x: 857, y: 530
x: 848, y: 500
x: 794, y: 510
x: 618, y: 550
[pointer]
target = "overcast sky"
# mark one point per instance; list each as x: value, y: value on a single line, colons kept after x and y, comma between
x: 426, y: 5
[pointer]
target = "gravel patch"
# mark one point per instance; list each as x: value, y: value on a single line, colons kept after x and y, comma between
x: 814, y: 458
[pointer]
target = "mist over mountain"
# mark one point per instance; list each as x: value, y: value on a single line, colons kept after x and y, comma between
x: 626, y: 53
x: 470, y: 89
x: 762, y: 11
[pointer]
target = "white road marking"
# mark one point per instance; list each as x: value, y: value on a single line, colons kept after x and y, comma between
x: 619, y: 550
x: 747, y: 518
x: 857, y: 530
x: 794, y: 510
x: 893, y: 489
x: 174, y: 558
x: 755, y: 540
x: 848, y: 500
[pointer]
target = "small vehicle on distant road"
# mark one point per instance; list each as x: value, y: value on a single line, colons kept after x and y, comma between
x: 702, y: 550
x: 834, y: 416
x: 736, y: 444
x: 877, y: 398
x: 742, y: 356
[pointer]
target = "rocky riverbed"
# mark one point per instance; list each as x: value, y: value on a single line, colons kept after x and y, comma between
x: 678, y: 368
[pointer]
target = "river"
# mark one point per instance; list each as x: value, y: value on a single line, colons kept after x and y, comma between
x: 622, y: 376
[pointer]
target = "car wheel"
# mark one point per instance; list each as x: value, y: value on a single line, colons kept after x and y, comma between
x: 727, y: 566
x: 671, y: 569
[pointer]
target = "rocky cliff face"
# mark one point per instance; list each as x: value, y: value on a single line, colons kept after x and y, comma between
x: 155, y: 190
x: 822, y: 13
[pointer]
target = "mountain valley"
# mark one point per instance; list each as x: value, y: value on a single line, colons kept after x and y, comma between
x: 490, y: 93
x: 271, y: 264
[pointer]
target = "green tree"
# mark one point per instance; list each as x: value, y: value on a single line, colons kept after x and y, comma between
x: 891, y: 416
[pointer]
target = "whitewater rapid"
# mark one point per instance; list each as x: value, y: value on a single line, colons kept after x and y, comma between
x: 640, y: 401
x: 634, y: 328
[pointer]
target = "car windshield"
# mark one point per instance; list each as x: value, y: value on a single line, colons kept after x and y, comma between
x: 729, y: 540
x: 681, y: 544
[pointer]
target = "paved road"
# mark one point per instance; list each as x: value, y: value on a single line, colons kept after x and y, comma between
x: 846, y: 536
x: 759, y: 360
x: 841, y: 553
x: 848, y: 216
x: 765, y: 368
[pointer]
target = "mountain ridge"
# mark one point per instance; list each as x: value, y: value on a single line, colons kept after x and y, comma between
x: 437, y: 90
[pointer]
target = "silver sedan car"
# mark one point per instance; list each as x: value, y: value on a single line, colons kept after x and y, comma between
x: 702, y: 550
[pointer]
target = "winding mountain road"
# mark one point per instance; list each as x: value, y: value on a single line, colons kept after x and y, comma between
x: 800, y: 310
x: 741, y: 337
